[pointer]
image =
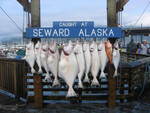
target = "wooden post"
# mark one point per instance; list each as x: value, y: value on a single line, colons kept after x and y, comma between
x: 122, y: 86
x: 80, y: 95
x: 15, y: 81
x: 111, y: 13
x: 38, y: 94
x: 111, y: 22
x: 130, y: 73
x: 111, y: 87
x: 35, y: 16
x: 35, y: 22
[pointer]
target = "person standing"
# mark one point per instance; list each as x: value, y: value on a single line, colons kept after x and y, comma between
x: 144, y: 47
x: 131, y: 47
x: 138, y: 48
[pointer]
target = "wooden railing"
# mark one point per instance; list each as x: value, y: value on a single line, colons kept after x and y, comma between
x: 128, y: 57
x: 12, y: 76
x: 88, y: 93
x: 135, y: 67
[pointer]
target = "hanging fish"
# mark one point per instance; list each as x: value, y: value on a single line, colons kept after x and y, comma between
x: 116, y: 57
x: 44, y: 55
x: 95, y: 62
x: 38, y: 55
x: 103, y: 58
x: 52, y: 61
x: 30, y: 56
x: 78, y: 49
x: 68, y: 68
x: 108, y: 49
x: 87, y: 56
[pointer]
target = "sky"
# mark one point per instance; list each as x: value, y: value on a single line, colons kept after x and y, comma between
x: 73, y: 10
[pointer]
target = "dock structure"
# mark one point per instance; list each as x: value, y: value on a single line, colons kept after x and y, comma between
x: 137, y: 31
x: 21, y: 89
x: 26, y: 5
x: 113, y: 8
x: 16, y: 79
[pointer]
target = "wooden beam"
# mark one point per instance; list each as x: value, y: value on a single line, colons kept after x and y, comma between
x: 111, y: 16
x: 26, y: 5
x: 35, y: 22
x: 111, y: 13
x: 35, y: 16
x: 111, y: 22
x: 38, y: 93
x: 120, y: 4
x: 137, y: 31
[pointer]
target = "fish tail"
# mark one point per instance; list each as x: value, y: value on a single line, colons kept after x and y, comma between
x: 95, y: 82
x: 32, y: 70
x: 56, y: 82
x: 40, y: 70
x: 80, y: 85
x: 102, y: 75
x: 71, y: 92
x: 47, y: 78
x: 86, y: 79
x: 116, y: 73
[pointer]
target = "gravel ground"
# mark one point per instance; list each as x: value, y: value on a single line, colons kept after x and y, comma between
x: 8, y: 105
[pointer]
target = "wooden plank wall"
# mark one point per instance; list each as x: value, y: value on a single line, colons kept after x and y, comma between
x: 12, y: 77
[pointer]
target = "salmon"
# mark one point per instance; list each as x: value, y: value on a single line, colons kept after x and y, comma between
x: 108, y: 49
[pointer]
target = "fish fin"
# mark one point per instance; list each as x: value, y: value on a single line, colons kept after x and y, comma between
x: 102, y: 75
x: 86, y: 79
x: 40, y: 70
x: 95, y: 82
x: 56, y: 82
x: 71, y: 92
x: 47, y: 78
x: 32, y: 70
x: 80, y: 85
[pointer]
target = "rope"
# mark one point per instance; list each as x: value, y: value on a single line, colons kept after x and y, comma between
x: 142, y: 13
x: 138, y: 19
x: 11, y: 20
x: 140, y: 16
